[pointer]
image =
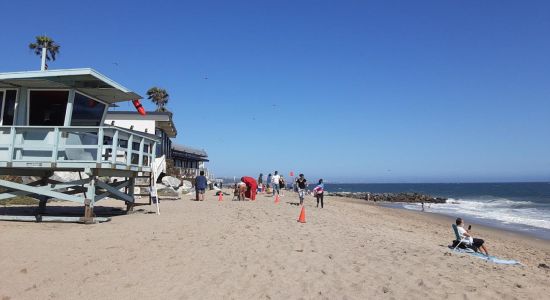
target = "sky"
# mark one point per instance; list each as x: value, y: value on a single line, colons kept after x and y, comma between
x: 348, y: 91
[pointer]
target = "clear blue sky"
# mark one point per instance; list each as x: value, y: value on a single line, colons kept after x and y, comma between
x: 363, y: 91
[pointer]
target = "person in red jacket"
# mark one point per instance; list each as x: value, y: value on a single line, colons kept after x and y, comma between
x: 252, y: 187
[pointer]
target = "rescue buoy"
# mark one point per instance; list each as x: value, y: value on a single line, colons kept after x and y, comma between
x: 139, y: 107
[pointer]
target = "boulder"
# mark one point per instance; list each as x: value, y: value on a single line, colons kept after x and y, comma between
x: 185, y: 188
x: 391, y: 197
x: 171, y: 181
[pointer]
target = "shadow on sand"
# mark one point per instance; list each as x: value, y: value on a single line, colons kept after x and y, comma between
x: 65, y: 211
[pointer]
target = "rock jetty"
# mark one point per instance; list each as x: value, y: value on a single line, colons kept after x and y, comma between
x: 390, y: 197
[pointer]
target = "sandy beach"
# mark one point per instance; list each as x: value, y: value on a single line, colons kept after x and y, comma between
x: 257, y: 250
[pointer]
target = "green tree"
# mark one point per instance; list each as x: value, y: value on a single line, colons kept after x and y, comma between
x: 159, y: 96
x: 42, y: 41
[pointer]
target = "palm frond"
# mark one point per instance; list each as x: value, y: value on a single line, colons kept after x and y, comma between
x: 42, y: 41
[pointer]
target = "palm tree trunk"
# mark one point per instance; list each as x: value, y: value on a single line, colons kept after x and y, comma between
x: 43, y: 63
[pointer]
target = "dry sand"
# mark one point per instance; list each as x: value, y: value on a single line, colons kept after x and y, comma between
x: 257, y: 250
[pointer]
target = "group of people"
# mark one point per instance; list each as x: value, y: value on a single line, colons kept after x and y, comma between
x: 276, y: 184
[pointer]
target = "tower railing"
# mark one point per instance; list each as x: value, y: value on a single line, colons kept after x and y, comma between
x: 69, y: 147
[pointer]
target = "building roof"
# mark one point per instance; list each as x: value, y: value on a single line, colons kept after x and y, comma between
x: 181, y: 151
x: 163, y: 120
x: 86, y: 80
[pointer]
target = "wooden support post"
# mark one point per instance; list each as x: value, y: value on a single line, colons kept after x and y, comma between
x: 43, y: 200
x: 89, y: 201
x: 130, y: 192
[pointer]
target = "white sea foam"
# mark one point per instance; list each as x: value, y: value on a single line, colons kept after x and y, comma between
x: 501, y: 209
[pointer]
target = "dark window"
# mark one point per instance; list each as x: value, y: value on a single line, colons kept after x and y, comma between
x: 9, y: 107
x: 86, y: 111
x: 122, y: 143
x: 47, y: 107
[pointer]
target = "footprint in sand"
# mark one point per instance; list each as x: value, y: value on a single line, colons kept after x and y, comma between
x: 30, y: 288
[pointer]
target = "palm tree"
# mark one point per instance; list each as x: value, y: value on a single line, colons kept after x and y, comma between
x: 52, y: 48
x: 159, y: 96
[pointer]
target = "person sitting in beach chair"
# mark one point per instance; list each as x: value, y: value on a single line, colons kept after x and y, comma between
x: 464, y: 238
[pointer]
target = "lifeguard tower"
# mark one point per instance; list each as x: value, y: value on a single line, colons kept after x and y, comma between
x: 53, y: 121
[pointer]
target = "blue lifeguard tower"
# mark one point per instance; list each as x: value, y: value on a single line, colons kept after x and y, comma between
x: 53, y: 121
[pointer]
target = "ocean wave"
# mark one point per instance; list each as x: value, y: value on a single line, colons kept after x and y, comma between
x: 500, y: 209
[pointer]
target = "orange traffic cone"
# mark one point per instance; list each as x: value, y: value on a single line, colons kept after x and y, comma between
x: 277, y: 199
x: 302, y: 218
x: 220, y: 196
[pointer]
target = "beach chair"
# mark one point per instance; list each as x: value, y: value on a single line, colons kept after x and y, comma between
x: 460, y: 241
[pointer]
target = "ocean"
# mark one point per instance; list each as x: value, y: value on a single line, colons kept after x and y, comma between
x: 520, y: 207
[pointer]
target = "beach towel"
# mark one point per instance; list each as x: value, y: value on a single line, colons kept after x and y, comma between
x: 489, y: 258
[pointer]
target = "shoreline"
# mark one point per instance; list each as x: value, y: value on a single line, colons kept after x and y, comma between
x: 521, y: 229
x: 442, y: 225
x: 447, y: 220
x: 448, y: 206
x: 478, y: 226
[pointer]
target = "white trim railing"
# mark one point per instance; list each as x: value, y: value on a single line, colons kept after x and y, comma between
x: 70, y: 146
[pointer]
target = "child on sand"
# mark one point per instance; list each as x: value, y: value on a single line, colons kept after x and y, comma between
x: 260, y: 180
x: 268, y: 183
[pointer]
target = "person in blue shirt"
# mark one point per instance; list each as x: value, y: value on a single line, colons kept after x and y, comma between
x: 200, y: 186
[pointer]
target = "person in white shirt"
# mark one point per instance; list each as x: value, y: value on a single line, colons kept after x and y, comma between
x: 275, y: 182
x: 463, y: 233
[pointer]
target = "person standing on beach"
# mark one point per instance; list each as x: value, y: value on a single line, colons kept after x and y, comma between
x: 260, y: 181
x: 275, y: 182
x: 200, y: 186
x: 318, y: 192
x: 301, y: 183
x: 268, y: 183
x: 282, y: 184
